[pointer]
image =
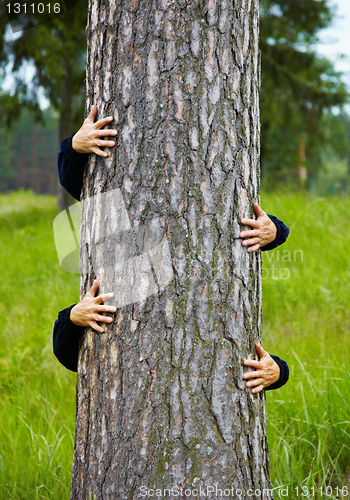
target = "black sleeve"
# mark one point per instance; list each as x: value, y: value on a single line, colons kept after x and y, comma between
x: 71, y: 168
x: 281, y: 236
x: 66, y: 336
x: 284, y: 374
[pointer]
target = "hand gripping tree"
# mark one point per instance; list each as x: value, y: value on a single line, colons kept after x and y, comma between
x: 161, y: 402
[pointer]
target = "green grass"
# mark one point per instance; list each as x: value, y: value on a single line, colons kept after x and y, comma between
x: 306, y: 322
x: 37, y: 395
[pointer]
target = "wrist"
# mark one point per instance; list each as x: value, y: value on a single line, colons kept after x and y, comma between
x: 274, y: 231
x: 73, y: 316
x: 74, y: 143
x: 277, y: 372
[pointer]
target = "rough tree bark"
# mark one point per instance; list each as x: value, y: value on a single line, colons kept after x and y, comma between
x: 161, y: 401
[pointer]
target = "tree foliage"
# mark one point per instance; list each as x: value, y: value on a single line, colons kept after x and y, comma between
x: 298, y: 86
x: 28, y: 154
x: 56, y: 50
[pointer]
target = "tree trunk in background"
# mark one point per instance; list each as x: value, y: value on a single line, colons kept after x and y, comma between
x: 65, y: 128
x: 34, y: 169
x: 161, y: 401
x: 21, y: 182
x: 302, y: 170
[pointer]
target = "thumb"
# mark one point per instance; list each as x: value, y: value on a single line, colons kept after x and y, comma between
x: 93, y: 290
x: 92, y: 115
x: 260, y: 351
x: 258, y: 211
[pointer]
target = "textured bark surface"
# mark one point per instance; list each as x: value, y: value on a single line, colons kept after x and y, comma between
x: 161, y: 401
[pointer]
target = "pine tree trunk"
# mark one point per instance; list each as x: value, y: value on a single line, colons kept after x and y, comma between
x: 161, y: 402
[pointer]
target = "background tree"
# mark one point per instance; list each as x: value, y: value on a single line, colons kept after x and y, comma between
x: 57, y: 51
x: 332, y: 175
x: 160, y: 398
x: 298, y: 86
x: 28, y: 154
x: 7, y: 174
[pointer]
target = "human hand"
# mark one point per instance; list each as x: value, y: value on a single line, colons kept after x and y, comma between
x: 267, y: 371
x: 263, y: 233
x: 86, y: 312
x: 88, y: 139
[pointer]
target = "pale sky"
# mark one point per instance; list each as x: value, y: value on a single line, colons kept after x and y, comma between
x: 335, y: 40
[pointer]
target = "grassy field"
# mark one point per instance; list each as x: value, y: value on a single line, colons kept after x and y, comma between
x: 306, y: 286
x: 307, y: 322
